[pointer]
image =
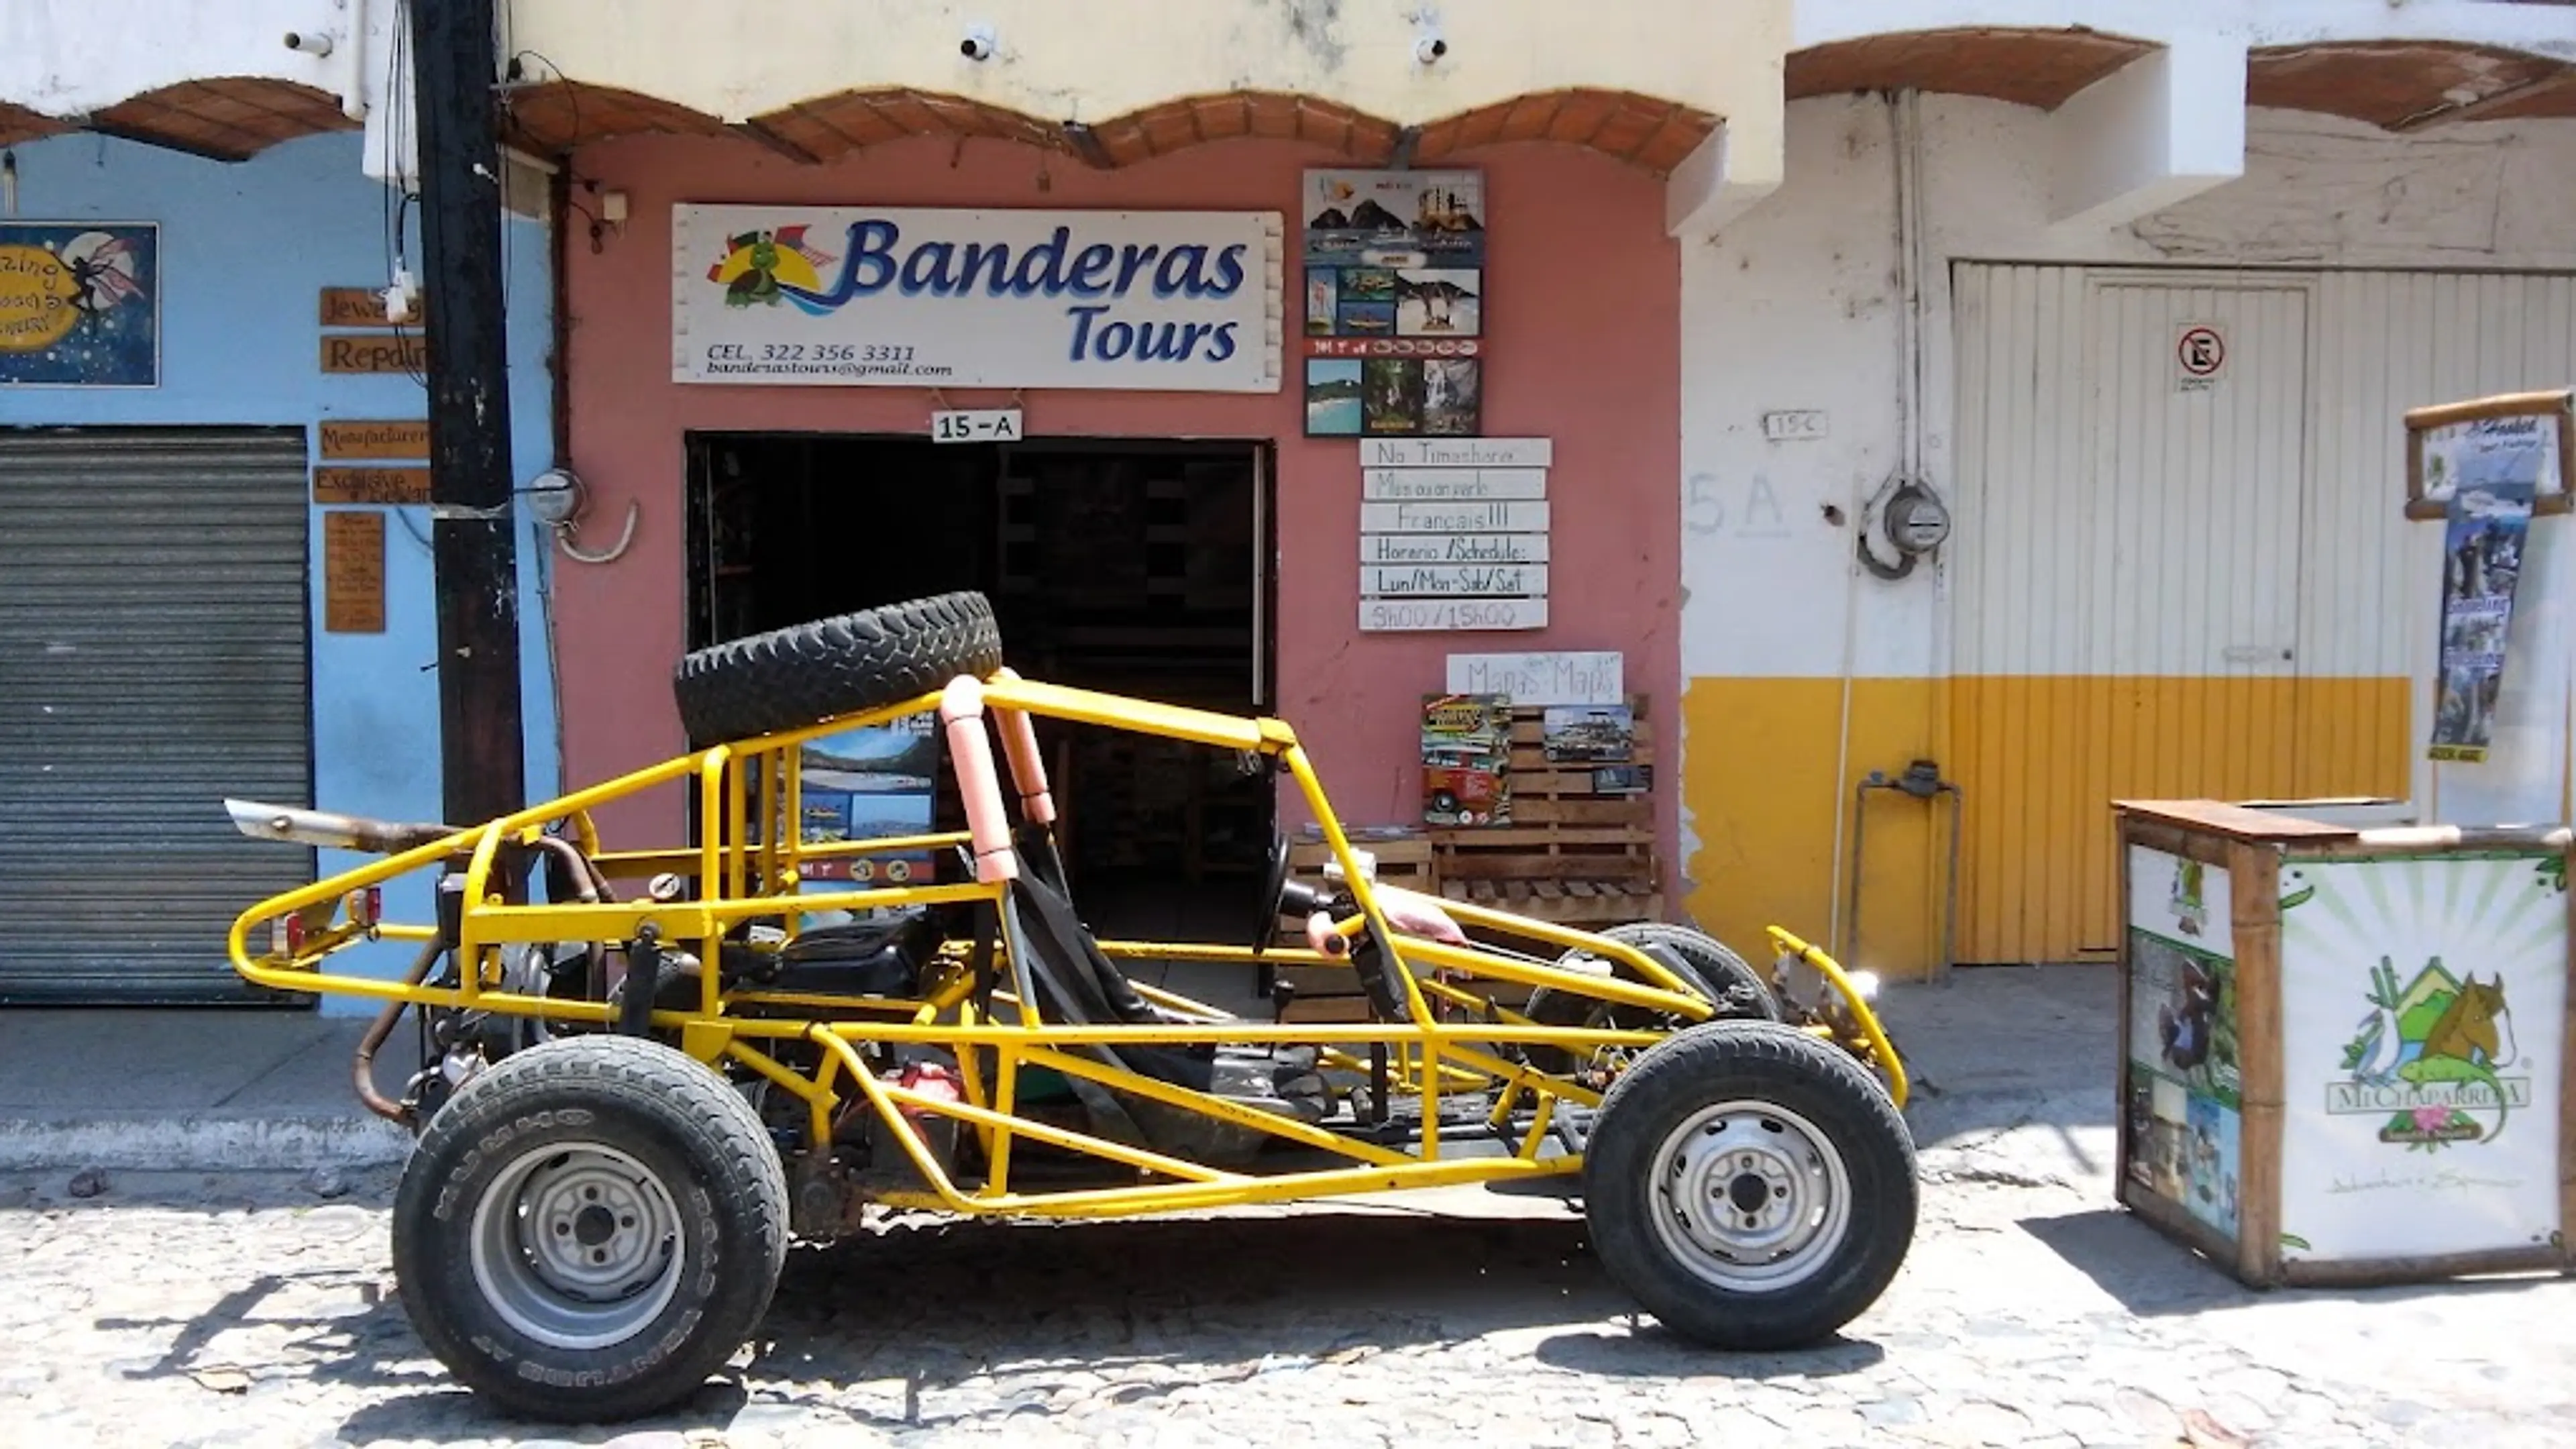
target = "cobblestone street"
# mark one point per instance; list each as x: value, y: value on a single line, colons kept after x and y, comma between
x: 254, y: 1311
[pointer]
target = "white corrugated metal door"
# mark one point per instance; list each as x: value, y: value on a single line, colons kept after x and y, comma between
x: 2132, y: 476
x: 2391, y: 341
x: 153, y: 659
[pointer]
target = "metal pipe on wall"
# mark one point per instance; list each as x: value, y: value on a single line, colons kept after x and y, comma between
x: 1922, y: 780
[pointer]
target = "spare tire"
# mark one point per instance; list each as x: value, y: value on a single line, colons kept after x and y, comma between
x: 787, y: 679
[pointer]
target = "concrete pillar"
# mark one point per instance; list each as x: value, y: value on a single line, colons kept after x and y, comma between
x: 2164, y: 128
x: 1741, y: 162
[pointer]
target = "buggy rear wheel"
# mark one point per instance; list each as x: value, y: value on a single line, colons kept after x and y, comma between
x: 1707, y: 963
x: 589, y: 1229
x: 1750, y: 1185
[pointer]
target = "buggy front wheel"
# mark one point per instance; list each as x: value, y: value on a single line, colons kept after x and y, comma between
x: 589, y: 1229
x: 1750, y: 1185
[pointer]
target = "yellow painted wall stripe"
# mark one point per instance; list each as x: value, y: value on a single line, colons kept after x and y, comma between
x: 2040, y: 759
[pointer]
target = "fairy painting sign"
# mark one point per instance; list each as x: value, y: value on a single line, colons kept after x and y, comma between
x: 2421, y: 1003
x: 80, y: 304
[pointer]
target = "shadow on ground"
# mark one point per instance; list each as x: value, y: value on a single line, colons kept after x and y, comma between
x: 2153, y: 1276
x: 952, y: 1324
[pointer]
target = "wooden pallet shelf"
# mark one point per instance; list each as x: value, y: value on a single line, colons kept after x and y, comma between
x: 1570, y: 853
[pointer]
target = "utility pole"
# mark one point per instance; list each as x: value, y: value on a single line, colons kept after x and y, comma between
x: 473, y: 538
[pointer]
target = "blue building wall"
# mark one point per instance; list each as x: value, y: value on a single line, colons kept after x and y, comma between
x: 245, y: 249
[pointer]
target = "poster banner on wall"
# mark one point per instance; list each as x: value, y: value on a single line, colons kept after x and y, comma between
x: 1394, y: 303
x: 80, y: 304
x: 2512, y: 438
x: 872, y: 782
x: 2421, y: 1004
x: 1466, y: 759
x: 1164, y: 301
x: 2184, y: 1080
x: 2482, y: 543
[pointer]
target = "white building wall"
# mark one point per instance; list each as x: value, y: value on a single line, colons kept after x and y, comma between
x: 1798, y: 305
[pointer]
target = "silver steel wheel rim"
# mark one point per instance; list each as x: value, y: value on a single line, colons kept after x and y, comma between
x: 1751, y: 1198
x: 577, y: 1245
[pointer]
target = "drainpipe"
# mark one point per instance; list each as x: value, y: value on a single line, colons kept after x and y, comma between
x: 1905, y: 168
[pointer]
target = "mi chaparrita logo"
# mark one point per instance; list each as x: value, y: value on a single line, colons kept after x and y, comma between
x: 2429, y: 1055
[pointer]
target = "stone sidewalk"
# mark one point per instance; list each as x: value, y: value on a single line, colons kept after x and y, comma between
x: 223, y: 1310
x: 190, y: 1091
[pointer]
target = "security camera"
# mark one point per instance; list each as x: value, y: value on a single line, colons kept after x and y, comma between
x: 308, y: 42
x: 978, y: 44
x: 1430, y: 48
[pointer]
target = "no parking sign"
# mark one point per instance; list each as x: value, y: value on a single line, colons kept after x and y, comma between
x: 2200, y: 356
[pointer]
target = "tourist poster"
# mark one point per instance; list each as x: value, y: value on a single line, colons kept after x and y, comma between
x: 2487, y: 523
x: 1394, y: 303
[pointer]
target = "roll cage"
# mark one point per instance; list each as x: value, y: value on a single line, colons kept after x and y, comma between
x: 1023, y: 988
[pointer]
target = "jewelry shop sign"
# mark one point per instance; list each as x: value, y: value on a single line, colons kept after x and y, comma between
x: 1164, y: 301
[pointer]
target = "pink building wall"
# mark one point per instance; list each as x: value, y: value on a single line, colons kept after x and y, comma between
x: 1584, y: 347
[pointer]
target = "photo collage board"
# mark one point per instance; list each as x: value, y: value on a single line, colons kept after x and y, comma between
x: 1394, y: 303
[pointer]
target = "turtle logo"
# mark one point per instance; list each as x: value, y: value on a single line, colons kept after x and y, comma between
x: 760, y: 268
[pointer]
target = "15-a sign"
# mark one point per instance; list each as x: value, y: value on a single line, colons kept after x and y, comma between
x: 1166, y: 301
x: 993, y: 425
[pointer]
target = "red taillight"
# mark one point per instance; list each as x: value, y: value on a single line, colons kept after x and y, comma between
x: 365, y: 907
x: 295, y: 935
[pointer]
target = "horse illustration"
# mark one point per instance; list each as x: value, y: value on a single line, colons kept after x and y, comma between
x: 2477, y: 1026
x: 2470, y: 1039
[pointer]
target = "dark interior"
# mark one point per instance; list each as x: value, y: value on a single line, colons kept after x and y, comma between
x: 1129, y: 567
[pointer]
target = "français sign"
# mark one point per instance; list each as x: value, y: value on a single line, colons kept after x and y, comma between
x: 1166, y: 301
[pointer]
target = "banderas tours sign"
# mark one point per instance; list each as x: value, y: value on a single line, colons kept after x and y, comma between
x: 1163, y: 301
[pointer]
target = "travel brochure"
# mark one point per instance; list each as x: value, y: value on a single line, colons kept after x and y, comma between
x: 1466, y: 759
x: 1588, y: 734
x: 2481, y: 561
x: 870, y: 783
x: 1394, y: 303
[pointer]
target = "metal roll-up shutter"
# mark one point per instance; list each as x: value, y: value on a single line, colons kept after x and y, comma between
x: 153, y: 660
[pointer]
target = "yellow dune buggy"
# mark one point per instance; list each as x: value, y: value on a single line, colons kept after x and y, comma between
x: 644, y: 1071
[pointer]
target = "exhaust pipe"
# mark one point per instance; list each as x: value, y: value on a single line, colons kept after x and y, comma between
x: 336, y: 832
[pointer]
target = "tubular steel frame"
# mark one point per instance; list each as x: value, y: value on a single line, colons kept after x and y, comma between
x: 747, y: 868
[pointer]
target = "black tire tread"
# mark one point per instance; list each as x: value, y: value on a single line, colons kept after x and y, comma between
x: 1712, y: 966
x: 1768, y: 1061
x: 720, y: 1133
x: 789, y: 678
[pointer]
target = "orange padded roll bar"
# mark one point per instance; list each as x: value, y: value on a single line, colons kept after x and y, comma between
x: 970, y: 753
x: 1028, y: 767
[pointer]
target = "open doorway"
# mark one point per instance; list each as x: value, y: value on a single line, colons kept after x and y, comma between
x: 1132, y: 566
